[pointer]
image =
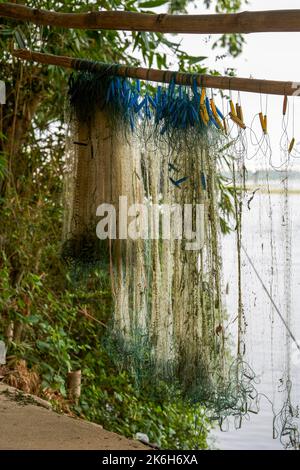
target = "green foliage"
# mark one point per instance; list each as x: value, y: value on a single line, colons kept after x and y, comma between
x: 57, y: 337
x: 229, y: 6
x: 233, y: 42
x: 2, y: 166
x: 170, y: 421
x: 221, y: 6
x: 152, y: 3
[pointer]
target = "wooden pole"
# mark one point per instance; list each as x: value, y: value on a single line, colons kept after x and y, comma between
x: 244, y: 22
x: 270, y: 87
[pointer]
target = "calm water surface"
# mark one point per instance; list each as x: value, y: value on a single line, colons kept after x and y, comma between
x: 269, y: 351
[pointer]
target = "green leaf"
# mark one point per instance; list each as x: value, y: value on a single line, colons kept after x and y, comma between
x: 136, y: 41
x: 153, y: 3
x: 194, y: 59
x: 42, y: 345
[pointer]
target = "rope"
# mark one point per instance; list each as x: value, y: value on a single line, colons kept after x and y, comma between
x: 101, y: 68
x: 270, y: 297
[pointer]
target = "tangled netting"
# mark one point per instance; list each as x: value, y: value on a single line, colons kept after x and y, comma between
x: 286, y: 421
x: 161, y: 148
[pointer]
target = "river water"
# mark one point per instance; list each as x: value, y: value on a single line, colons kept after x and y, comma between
x: 270, y: 351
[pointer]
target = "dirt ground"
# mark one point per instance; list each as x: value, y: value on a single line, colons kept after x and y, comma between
x: 26, y: 424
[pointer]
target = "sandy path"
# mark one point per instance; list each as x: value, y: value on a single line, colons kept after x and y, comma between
x: 28, y: 426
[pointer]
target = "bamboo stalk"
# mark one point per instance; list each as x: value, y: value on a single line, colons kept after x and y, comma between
x: 270, y: 87
x: 244, y: 22
x: 9, y: 333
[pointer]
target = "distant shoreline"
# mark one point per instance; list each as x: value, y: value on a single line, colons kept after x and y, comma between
x: 271, y: 190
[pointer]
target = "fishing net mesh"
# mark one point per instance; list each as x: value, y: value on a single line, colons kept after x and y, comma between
x: 168, y: 318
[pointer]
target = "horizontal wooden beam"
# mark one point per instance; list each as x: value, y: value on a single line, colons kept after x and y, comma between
x: 270, y: 87
x: 244, y: 22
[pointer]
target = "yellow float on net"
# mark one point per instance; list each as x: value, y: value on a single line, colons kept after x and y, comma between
x: 202, y: 98
x: 263, y: 122
x: 213, y: 108
x: 232, y: 108
x: 266, y: 124
x: 204, y: 114
x: 292, y: 143
x: 203, y: 117
x: 261, y: 118
x: 239, y: 112
x: 237, y: 121
x: 203, y: 111
x: 215, y: 113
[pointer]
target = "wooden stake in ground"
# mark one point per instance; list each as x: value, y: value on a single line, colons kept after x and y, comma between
x: 74, y: 385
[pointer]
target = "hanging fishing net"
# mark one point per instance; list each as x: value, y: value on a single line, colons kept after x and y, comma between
x: 155, y: 154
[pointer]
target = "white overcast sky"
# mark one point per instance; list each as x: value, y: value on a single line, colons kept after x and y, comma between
x: 273, y: 56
